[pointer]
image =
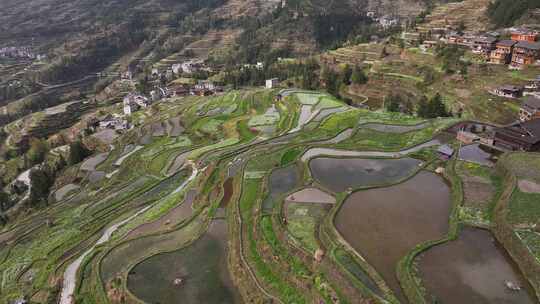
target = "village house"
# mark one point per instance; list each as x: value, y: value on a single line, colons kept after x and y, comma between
x: 388, y: 21
x: 272, y: 83
x: 503, y: 52
x: 525, y: 53
x: 427, y: 45
x: 530, y: 109
x: 508, y: 91
x: 115, y: 123
x: 524, y: 35
x: 521, y: 136
x: 445, y: 152
x: 127, y: 75
x: 178, y: 90
x: 467, y: 137
x: 205, y: 85
x: 133, y: 102
x: 483, y: 45
x: 130, y: 108
x: 463, y: 40
x: 533, y: 85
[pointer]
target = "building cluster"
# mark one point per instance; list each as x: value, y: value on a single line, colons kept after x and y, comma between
x: 386, y: 21
x: 135, y: 101
x: 20, y: 53
x: 532, y: 88
x: 113, y: 122
x: 201, y: 88
x: 520, y: 49
x: 518, y: 136
x: 183, y: 68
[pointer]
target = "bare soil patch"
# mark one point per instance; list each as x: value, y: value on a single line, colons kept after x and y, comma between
x: 528, y: 186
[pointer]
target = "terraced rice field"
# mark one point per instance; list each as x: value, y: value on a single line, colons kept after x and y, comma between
x: 327, y: 207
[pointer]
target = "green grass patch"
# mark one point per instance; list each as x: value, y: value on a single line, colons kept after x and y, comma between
x: 290, y: 156
x: 524, y: 208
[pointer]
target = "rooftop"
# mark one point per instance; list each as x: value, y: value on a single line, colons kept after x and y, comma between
x: 507, y: 43
x: 531, y: 102
x: 528, y: 45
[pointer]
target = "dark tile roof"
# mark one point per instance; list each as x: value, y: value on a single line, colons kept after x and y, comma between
x: 531, y: 102
x: 533, y: 127
x: 510, y: 88
x: 528, y: 45
x: 507, y: 43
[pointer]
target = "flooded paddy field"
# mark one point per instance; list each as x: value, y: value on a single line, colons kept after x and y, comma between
x: 281, y: 181
x: 122, y: 256
x: 472, y: 269
x: 342, y: 174
x: 195, y: 274
x: 418, y: 210
x: 228, y: 191
x: 476, y: 154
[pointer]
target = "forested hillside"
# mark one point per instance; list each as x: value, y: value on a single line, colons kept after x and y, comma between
x: 507, y: 12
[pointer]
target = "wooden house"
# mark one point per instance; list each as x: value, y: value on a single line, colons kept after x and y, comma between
x: 525, y: 53
x: 483, y: 45
x: 508, y: 91
x: 521, y: 136
x: 530, y: 109
x: 528, y: 36
x: 503, y: 52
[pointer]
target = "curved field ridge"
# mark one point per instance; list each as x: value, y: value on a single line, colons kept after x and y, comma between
x: 70, y: 275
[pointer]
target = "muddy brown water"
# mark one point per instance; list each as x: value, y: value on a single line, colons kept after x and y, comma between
x: 202, y: 267
x: 341, y: 174
x: 228, y: 191
x: 472, y: 269
x: 417, y: 209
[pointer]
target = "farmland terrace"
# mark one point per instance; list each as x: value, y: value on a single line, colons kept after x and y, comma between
x: 258, y: 199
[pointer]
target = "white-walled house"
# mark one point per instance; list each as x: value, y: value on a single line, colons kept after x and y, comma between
x: 272, y: 83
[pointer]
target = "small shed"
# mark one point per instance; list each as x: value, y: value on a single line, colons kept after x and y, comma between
x: 445, y: 151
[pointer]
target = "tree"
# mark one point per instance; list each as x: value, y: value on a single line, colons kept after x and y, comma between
x: 392, y: 102
x: 77, y: 152
x: 331, y: 81
x: 432, y: 109
x: 358, y: 76
x: 384, y: 53
x: 423, y: 105
x: 346, y: 73
x: 38, y: 150
x: 40, y: 183
x: 4, y: 200
x: 461, y: 27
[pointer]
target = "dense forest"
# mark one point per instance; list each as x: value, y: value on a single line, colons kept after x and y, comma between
x: 507, y: 12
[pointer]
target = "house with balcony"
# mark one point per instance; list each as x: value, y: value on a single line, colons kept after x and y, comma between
x: 503, y: 52
x: 525, y: 53
x: 483, y: 45
x: 525, y: 35
x: 530, y: 109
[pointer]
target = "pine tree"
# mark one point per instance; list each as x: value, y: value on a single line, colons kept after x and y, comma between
x: 423, y: 106
x: 347, y: 74
x: 358, y: 76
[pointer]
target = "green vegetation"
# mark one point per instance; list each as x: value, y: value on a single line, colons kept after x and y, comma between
x: 506, y: 12
x: 290, y: 156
